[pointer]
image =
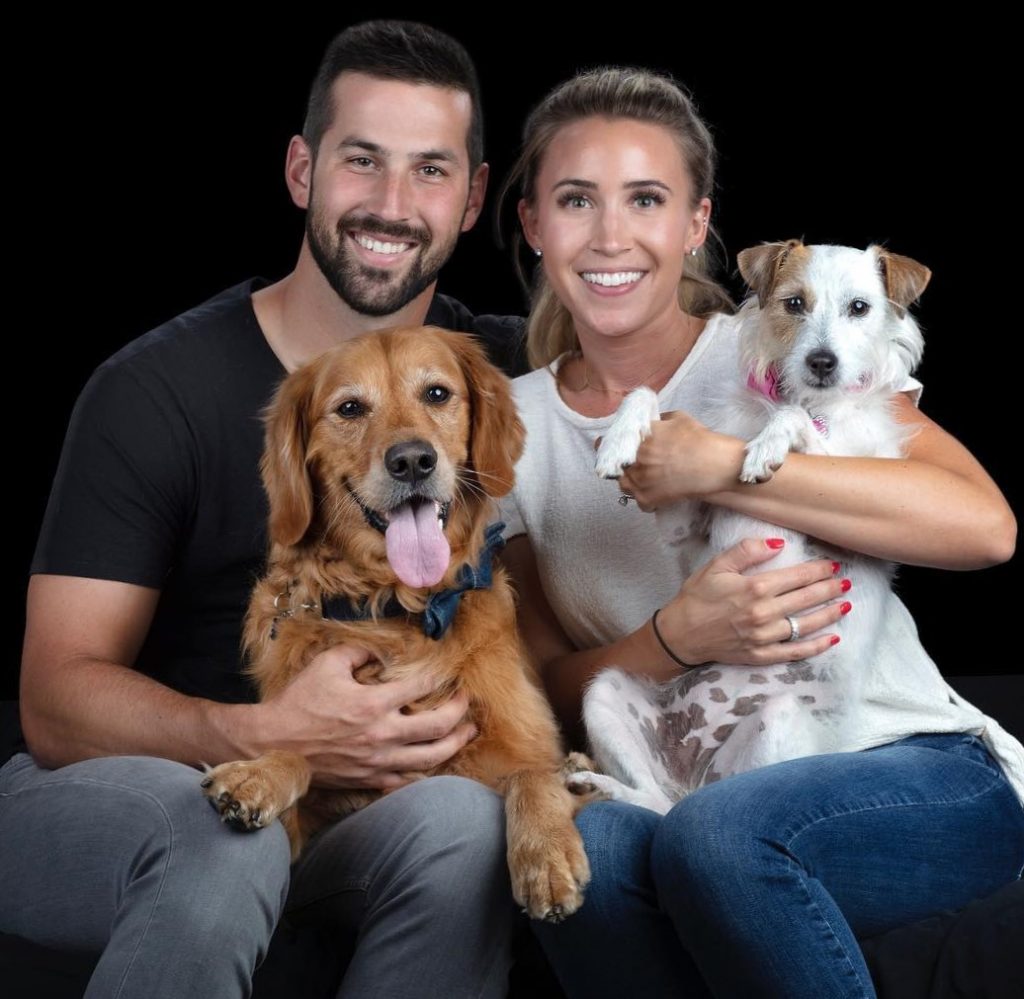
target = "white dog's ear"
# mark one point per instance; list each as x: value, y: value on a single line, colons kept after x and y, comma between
x: 761, y: 265
x: 905, y: 279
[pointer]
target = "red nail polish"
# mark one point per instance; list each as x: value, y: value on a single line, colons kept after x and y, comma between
x: 775, y: 543
x: 845, y: 607
x: 835, y: 567
x: 845, y: 585
x: 834, y: 640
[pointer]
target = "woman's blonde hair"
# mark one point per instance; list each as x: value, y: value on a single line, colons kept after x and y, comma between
x: 613, y: 92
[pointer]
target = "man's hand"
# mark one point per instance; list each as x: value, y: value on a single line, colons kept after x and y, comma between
x: 356, y: 735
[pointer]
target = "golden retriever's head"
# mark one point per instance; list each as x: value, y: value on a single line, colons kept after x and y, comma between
x: 388, y: 449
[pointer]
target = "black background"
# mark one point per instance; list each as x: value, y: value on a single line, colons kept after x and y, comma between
x: 147, y: 158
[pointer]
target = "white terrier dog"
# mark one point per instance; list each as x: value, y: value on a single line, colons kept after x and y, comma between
x: 825, y: 345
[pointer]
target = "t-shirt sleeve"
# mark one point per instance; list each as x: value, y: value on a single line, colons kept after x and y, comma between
x: 120, y: 501
x: 503, y: 337
x: 913, y: 388
x: 509, y: 515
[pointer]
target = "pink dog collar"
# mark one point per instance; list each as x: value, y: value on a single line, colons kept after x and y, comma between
x: 768, y: 386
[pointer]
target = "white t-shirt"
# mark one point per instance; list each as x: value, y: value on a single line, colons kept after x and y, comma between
x: 605, y: 569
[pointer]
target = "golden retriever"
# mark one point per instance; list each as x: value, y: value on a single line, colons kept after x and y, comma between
x: 382, y: 460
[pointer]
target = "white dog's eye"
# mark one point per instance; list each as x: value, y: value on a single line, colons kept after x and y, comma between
x: 437, y: 394
x: 350, y: 409
x: 794, y: 305
x: 858, y: 307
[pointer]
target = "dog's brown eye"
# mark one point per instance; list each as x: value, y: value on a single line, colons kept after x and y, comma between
x: 858, y: 307
x: 794, y: 305
x: 350, y: 409
x: 437, y: 394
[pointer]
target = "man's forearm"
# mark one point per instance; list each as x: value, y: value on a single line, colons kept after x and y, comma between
x: 87, y: 708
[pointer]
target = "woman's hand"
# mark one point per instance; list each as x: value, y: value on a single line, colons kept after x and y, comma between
x: 721, y: 615
x: 681, y: 459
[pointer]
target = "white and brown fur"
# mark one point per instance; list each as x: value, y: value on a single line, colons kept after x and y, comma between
x: 318, y: 467
x: 837, y: 372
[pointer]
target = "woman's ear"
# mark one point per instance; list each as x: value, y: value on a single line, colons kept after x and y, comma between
x: 528, y: 220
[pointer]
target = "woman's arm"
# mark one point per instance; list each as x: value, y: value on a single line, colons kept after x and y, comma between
x: 936, y: 507
x: 719, y: 614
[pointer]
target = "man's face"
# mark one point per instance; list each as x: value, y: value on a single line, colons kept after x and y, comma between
x: 390, y: 190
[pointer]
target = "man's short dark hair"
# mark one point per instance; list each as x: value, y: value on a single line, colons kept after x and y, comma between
x: 395, y: 50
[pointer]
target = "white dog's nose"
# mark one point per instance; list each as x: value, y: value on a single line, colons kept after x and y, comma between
x: 822, y: 363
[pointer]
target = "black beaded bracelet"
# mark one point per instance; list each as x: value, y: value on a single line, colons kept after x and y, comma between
x: 664, y: 644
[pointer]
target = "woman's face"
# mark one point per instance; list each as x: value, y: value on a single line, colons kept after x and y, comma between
x: 614, y: 216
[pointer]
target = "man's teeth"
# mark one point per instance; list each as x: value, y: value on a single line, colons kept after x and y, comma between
x: 378, y: 247
x: 611, y: 280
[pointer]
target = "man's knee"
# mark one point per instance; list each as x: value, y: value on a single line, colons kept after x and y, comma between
x: 454, y: 840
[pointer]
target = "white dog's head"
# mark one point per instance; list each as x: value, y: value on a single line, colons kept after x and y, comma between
x: 832, y: 320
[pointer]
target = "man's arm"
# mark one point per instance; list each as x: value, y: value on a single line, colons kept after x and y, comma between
x: 80, y: 698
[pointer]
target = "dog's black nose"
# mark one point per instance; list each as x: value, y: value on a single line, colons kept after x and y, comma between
x: 821, y: 362
x: 410, y: 461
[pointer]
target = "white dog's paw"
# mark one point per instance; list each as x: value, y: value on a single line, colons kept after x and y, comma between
x: 632, y: 425
x: 765, y: 454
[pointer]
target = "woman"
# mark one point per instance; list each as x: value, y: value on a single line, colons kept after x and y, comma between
x: 760, y: 884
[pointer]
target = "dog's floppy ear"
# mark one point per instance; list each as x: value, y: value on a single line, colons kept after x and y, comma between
x: 496, y: 434
x: 760, y: 266
x: 905, y: 279
x: 285, y: 473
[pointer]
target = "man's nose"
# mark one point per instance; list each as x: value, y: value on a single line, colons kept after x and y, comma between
x: 391, y: 198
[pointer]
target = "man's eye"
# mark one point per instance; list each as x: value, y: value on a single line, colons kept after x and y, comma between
x: 431, y: 171
x: 351, y: 409
x: 437, y: 394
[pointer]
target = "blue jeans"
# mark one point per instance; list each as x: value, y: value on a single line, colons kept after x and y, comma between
x: 761, y: 884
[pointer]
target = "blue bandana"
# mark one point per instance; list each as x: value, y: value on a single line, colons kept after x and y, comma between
x: 441, y: 607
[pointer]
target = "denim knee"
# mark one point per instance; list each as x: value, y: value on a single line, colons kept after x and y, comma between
x: 210, y: 875
x: 456, y: 828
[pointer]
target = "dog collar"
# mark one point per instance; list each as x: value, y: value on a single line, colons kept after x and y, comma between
x: 768, y: 386
x: 438, y: 615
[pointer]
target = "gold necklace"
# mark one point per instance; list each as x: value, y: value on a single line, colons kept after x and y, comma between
x: 623, y: 392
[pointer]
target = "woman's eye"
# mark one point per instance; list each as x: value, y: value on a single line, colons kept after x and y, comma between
x: 350, y: 409
x: 858, y: 307
x: 648, y: 200
x: 794, y: 305
x: 437, y: 394
x: 574, y: 201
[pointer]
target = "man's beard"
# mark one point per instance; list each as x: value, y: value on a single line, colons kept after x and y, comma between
x: 374, y: 291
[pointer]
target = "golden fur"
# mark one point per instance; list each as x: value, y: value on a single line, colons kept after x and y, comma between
x: 316, y: 462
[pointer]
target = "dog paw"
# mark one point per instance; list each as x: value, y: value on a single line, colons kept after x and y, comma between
x: 631, y: 427
x: 549, y: 874
x: 243, y: 795
x: 762, y: 461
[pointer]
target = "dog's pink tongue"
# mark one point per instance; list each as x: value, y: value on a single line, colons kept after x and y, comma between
x: 417, y: 548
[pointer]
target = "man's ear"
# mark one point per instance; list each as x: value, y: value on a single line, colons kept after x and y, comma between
x: 298, y: 171
x: 477, y: 193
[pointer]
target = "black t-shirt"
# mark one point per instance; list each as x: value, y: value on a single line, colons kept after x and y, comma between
x: 158, y: 482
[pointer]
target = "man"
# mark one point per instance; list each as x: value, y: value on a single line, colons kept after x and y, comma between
x: 154, y: 533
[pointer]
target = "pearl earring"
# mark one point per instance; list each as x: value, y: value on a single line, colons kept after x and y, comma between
x: 537, y: 250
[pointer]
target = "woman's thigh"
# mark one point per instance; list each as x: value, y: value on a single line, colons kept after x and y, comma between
x: 892, y: 834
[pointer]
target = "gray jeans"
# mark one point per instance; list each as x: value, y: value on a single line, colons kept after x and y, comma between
x: 126, y: 857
